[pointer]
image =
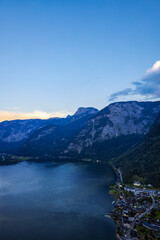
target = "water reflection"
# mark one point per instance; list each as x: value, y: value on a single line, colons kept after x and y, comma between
x: 55, y: 201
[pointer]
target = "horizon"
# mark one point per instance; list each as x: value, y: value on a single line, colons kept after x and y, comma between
x: 71, y: 114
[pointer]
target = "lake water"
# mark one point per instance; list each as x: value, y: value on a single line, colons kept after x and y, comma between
x: 67, y: 201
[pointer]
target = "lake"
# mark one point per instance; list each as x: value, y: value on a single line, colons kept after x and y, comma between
x: 66, y: 201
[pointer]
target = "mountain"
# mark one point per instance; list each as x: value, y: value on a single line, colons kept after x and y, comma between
x: 143, y: 161
x: 114, y: 129
x: 88, y: 133
x: 14, y: 133
x: 52, y: 139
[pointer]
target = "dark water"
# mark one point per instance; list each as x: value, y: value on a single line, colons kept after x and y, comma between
x: 43, y: 201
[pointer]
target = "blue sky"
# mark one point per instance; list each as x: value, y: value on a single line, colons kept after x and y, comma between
x: 56, y: 56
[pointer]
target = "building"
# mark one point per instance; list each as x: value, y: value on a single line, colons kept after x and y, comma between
x: 136, y: 183
x: 129, y: 189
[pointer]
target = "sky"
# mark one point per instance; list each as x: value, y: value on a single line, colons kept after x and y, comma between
x: 58, y: 55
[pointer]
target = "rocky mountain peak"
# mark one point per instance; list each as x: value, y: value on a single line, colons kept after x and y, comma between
x: 83, y: 111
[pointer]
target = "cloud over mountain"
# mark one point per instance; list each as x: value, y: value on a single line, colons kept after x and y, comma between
x: 148, y: 86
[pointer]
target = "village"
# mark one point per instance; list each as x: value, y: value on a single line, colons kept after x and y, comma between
x: 136, y: 210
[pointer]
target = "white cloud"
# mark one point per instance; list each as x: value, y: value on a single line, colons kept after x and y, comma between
x: 154, y: 68
x: 11, y: 115
x: 148, y: 88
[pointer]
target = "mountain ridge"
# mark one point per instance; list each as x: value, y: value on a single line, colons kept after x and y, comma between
x: 114, y: 121
x: 52, y: 139
x: 103, y: 135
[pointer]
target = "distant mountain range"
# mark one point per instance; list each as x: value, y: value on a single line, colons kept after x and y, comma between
x: 51, y: 140
x: 107, y: 135
x: 14, y: 133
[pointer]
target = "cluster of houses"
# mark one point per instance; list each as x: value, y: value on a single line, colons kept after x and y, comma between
x: 144, y: 191
x: 130, y: 208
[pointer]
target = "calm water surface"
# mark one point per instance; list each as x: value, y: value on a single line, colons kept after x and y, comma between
x: 43, y: 201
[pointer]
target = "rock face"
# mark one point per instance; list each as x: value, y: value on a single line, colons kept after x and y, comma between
x: 82, y: 111
x: 117, y: 120
x: 17, y: 130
